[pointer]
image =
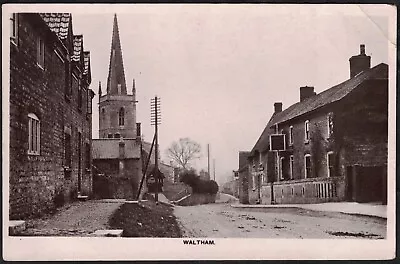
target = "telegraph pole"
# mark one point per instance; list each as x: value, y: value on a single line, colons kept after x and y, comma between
x: 208, y: 160
x: 156, y: 120
x: 214, y: 168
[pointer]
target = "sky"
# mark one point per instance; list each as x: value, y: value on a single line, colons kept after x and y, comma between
x: 219, y: 68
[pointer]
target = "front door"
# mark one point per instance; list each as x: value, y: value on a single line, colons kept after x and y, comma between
x: 349, y: 183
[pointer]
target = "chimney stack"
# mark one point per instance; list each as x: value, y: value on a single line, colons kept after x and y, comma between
x: 138, y: 130
x: 306, y: 92
x: 277, y: 107
x: 359, y: 62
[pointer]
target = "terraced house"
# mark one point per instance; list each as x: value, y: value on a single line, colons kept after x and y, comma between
x: 330, y: 146
x: 50, y: 114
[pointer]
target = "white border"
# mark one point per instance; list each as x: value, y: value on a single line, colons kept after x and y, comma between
x: 39, y: 248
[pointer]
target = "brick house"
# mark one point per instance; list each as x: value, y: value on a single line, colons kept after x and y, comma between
x: 50, y: 114
x: 335, y: 144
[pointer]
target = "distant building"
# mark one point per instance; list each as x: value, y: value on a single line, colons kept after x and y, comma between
x: 170, y: 172
x: 333, y: 147
x: 50, y: 114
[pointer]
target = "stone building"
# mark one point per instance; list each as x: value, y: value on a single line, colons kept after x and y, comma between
x: 119, y: 152
x: 50, y: 114
x: 335, y: 143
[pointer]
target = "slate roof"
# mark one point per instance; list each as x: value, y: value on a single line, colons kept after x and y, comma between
x: 106, y: 148
x: 78, y: 48
x: 315, y: 102
x: 58, y: 23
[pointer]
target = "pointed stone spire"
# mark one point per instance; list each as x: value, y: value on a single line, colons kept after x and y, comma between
x: 116, y: 76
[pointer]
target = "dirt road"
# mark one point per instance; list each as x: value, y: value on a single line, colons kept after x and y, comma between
x: 223, y: 221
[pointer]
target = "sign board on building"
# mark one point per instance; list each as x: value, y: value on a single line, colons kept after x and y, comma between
x: 277, y: 142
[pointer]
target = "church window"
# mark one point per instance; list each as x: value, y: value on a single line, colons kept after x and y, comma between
x: 119, y: 88
x: 121, y: 115
x: 117, y: 135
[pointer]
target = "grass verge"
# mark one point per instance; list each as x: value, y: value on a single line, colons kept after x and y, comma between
x: 146, y: 219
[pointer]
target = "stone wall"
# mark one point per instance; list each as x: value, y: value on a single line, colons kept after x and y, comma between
x: 36, y: 181
x: 196, y: 199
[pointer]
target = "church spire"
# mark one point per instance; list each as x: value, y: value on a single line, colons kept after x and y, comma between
x: 116, y: 77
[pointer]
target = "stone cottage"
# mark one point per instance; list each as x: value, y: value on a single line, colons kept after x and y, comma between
x: 334, y: 144
x: 50, y: 114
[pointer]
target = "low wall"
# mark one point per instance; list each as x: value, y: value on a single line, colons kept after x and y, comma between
x: 315, y: 190
x: 196, y: 199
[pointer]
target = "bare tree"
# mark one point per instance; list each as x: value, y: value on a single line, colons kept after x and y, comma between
x: 184, y: 151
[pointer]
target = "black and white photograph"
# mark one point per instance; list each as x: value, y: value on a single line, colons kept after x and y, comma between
x: 199, y: 131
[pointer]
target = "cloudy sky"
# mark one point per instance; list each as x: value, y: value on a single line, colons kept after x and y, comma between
x: 219, y: 68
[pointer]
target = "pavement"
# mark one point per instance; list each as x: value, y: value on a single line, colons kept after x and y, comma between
x: 366, y: 209
x: 76, y: 219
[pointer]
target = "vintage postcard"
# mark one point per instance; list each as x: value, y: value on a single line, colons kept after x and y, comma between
x: 201, y: 131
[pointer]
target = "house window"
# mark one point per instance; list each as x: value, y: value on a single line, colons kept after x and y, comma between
x: 117, y: 135
x: 307, y: 166
x: 307, y: 131
x: 40, y: 52
x: 33, y: 134
x: 110, y: 135
x: 291, y: 166
x: 281, y: 168
x: 14, y: 27
x: 121, y: 116
x: 68, y: 84
x: 329, y: 159
x: 291, y: 135
x: 79, y: 96
x: 89, y: 102
x: 330, y: 125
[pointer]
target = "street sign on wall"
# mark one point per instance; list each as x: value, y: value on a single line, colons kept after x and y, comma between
x: 277, y: 142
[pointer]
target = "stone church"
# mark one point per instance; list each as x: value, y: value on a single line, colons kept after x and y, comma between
x: 117, y: 154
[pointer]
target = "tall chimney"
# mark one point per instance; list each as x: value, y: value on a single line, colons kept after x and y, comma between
x: 277, y: 107
x: 138, y: 130
x: 359, y: 62
x: 306, y: 92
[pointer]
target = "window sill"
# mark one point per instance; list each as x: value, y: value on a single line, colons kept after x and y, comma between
x: 306, y: 141
x: 14, y: 42
x: 40, y: 66
x: 34, y: 153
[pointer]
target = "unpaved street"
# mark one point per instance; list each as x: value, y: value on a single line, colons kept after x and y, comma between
x: 76, y: 219
x: 224, y: 221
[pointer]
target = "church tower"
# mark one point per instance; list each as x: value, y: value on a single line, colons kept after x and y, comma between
x: 117, y: 108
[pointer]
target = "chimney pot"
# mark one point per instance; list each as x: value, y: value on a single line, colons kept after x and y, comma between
x: 277, y: 107
x: 362, y: 49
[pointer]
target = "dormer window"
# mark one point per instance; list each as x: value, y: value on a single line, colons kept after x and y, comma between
x: 14, y: 28
x: 307, y: 131
x: 40, y: 52
x: 291, y: 135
